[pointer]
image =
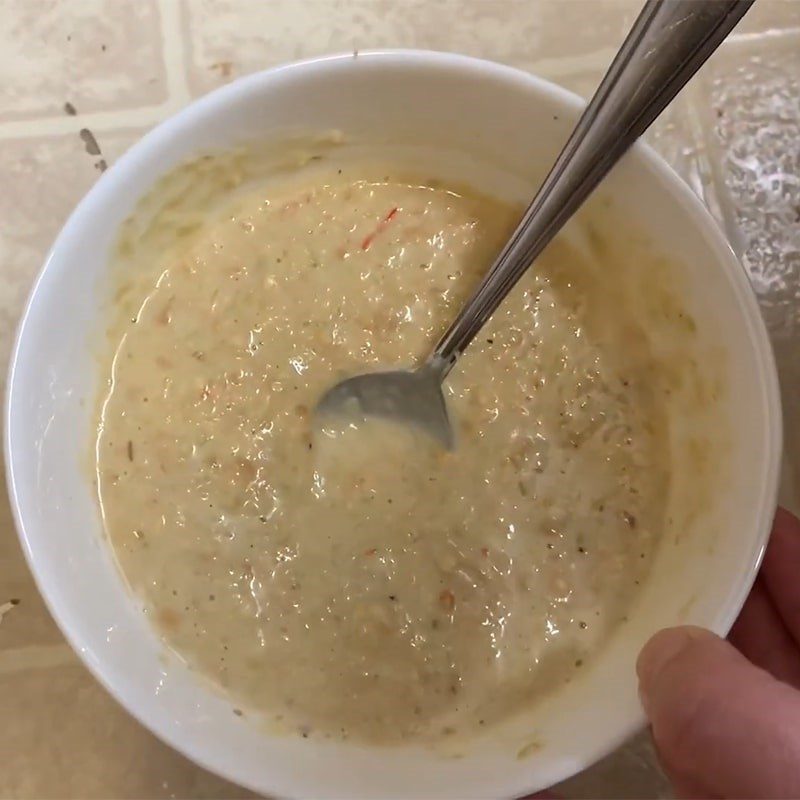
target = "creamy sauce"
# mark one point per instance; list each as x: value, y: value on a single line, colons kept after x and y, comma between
x: 363, y: 583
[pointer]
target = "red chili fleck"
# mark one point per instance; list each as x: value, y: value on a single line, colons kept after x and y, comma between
x: 381, y: 225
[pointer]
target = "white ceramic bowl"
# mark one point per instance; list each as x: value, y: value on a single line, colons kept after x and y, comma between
x: 475, y: 106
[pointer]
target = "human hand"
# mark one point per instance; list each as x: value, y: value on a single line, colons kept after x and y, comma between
x: 725, y: 715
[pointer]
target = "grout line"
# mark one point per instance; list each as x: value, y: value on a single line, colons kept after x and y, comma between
x: 597, y: 61
x: 21, y: 659
x: 173, y: 52
x: 772, y: 33
x: 174, y: 55
x: 600, y: 60
x: 98, y: 121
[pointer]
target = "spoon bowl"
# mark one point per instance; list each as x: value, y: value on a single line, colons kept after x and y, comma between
x: 412, y: 397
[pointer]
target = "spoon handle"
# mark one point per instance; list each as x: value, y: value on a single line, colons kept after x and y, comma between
x: 668, y: 43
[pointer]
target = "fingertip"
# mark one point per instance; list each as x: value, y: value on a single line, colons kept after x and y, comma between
x: 661, y: 650
x: 785, y: 534
x: 785, y: 520
x: 720, y: 724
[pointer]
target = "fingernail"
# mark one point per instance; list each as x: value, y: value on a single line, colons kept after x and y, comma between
x: 658, y: 652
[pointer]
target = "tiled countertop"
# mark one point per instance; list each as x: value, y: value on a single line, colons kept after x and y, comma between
x: 117, y: 67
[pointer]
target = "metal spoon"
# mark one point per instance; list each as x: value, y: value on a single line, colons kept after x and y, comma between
x: 668, y: 43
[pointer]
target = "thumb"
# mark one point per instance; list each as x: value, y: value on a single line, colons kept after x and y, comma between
x: 722, y: 727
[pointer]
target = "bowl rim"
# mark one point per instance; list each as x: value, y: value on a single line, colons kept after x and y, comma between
x: 217, y: 102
